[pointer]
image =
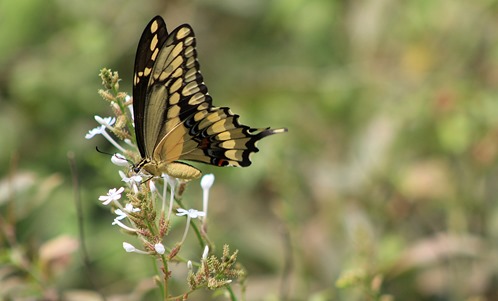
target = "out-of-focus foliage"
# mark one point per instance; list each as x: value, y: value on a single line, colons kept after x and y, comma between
x: 383, y: 189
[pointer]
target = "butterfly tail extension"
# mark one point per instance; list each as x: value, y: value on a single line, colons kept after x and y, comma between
x: 261, y: 133
x: 257, y: 135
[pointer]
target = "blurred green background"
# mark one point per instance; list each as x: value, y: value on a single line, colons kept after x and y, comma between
x: 384, y: 188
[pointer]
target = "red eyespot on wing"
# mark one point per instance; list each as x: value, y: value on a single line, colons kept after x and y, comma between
x: 222, y: 162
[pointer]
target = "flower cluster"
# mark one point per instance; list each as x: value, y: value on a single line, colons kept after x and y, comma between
x: 144, y: 205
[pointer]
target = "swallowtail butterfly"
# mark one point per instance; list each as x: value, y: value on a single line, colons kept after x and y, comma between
x: 173, y: 112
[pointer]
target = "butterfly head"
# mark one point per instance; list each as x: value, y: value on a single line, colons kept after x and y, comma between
x: 140, y: 165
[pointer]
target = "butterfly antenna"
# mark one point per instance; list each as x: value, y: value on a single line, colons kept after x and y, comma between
x: 106, y: 153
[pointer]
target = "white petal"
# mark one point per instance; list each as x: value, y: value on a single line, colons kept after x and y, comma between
x: 195, y: 213
x: 205, y: 253
x: 107, y: 121
x: 182, y: 212
x: 119, y: 160
x: 96, y: 131
x: 128, y: 247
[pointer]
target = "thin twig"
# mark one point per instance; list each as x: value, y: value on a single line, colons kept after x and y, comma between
x: 79, y: 214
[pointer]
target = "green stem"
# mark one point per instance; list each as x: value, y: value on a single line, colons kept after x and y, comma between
x: 122, y: 107
x: 231, y: 293
x: 166, y: 276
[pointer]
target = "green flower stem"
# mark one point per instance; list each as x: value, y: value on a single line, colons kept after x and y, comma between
x: 166, y: 272
x: 231, y: 293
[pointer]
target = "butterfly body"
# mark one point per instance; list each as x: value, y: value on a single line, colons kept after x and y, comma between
x: 178, y: 170
x: 173, y: 112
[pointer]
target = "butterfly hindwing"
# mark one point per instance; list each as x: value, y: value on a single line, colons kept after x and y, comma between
x: 217, y: 138
x: 174, y: 116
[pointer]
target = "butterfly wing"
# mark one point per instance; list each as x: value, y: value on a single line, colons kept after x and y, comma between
x: 151, y: 42
x: 176, y: 91
x: 176, y: 115
x: 216, y: 137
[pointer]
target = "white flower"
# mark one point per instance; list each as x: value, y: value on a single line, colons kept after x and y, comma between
x: 172, y: 186
x: 135, y: 188
x: 159, y: 248
x: 107, y: 121
x: 132, y: 179
x: 113, y: 195
x: 100, y: 129
x: 96, y: 131
x: 121, y: 214
x: 117, y: 222
x: 207, y: 181
x: 191, y: 213
x: 119, y: 160
x: 129, y: 208
x: 205, y: 253
x: 189, y: 266
x: 131, y: 249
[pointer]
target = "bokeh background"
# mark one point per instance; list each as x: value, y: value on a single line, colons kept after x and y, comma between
x: 384, y: 188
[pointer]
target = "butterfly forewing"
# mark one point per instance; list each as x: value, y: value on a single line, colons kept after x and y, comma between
x: 174, y: 116
x: 177, y: 85
x: 151, y: 42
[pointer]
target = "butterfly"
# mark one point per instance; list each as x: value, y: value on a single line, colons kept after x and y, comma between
x: 173, y: 112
